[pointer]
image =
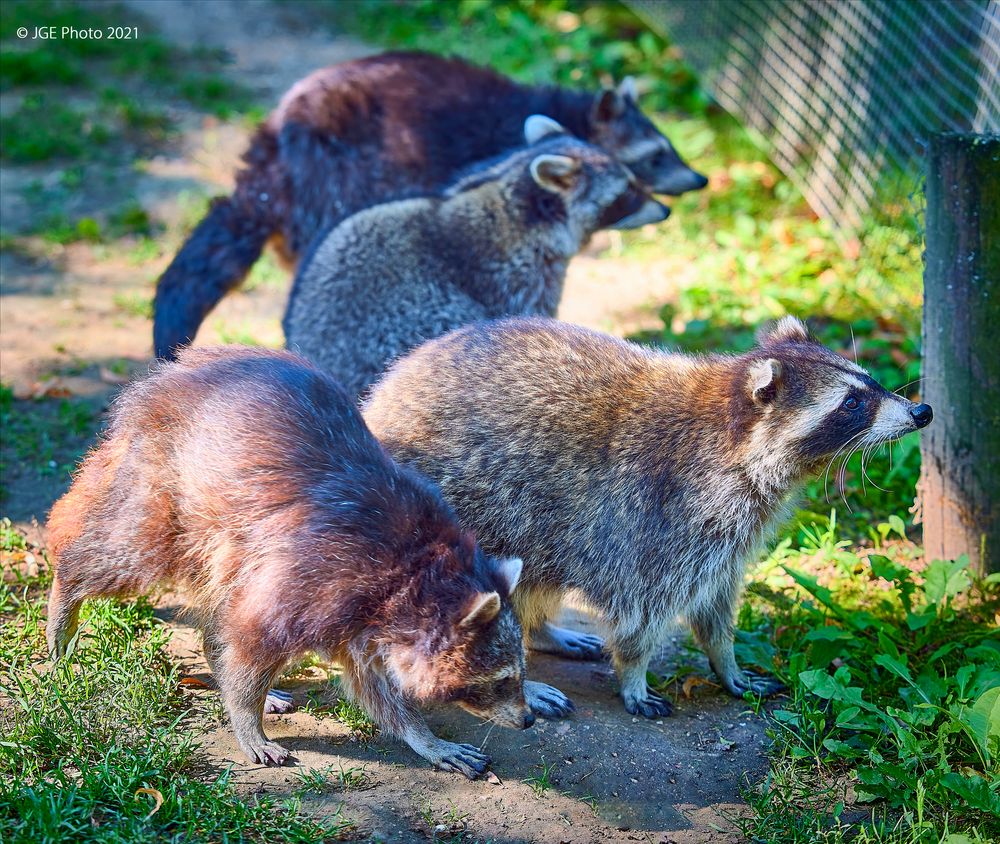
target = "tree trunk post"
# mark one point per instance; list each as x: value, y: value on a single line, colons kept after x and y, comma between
x: 960, y: 479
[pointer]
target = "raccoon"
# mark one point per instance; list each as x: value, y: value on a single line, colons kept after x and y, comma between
x: 248, y: 477
x: 381, y: 128
x: 495, y: 243
x: 643, y: 479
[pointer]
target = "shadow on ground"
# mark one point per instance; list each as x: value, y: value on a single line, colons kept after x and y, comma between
x: 611, y: 776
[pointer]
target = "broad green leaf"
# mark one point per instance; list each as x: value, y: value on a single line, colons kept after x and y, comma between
x: 845, y: 716
x: 811, y: 585
x: 828, y: 633
x: 983, y: 717
x: 946, y: 579
x: 888, y: 569
x: 973, y: 790
x: 895, y: 666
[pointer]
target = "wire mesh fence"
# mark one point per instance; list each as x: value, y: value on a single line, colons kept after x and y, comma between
x: 844, y: 92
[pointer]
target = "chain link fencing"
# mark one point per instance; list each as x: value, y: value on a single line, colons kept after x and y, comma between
x: 844, y: 93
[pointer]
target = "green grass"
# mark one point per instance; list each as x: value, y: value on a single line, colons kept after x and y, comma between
x: 49, y: 434
x: 109, y: 82
x: 579, y: 44
x: 134, y: 304
x: 89, y: 748
x: 893, y: 670
x: 542, y: 782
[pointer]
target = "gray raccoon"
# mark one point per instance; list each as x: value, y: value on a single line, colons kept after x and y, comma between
x: 496, y: 243
x: 641, y: 478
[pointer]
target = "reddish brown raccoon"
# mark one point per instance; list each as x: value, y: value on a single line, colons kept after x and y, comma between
x: 248, y: 477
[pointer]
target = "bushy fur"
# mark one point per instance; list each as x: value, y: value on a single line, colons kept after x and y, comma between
x: 368, y: 131
x: 643, y: 479
x: 497, y: 243
x: 248, y: 477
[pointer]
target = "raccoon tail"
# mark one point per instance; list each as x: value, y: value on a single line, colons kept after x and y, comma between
x: 213, y: 260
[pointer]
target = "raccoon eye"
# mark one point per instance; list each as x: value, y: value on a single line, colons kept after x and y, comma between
x: 852, y: 403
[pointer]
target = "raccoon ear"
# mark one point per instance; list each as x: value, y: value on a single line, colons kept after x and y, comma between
x: 556, y: 173
x: 627, y: 89
x: 485, y: 607
x: 538, y: 126
x: 787, y: 329
x: 510, y: 571
x: 764, y: 379
x: 608, y: 105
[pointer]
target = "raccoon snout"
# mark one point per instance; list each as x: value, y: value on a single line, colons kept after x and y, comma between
x: 529, y: 719
x: 922, y: 415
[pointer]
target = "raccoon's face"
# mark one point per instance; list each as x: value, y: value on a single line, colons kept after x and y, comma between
x: 595, y: 190
x: 813, y: 406
x: 620, y: 127
x: 477, y: 662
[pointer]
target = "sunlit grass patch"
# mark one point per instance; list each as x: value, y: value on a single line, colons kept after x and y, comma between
x: 101, y: 747
x: 893, y: 668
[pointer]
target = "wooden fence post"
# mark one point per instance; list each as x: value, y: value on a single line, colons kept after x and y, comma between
x: 960, y: 479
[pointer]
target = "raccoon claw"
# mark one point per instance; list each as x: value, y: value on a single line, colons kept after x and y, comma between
x: 267, y: 753
x: 747, y: 681
x: 278, y: 702
x: 463, y: 759
x: 547, y: 701
x: 650, y: 706
x: 568, y: 643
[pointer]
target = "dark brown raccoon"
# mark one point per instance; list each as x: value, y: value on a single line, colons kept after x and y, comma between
x: 644, y: 480
x: 248, y: 477
x: 368, y: 131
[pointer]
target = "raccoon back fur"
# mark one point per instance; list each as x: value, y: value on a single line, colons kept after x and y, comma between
x: 372, y: 130
x: 643, y: 479
x: 247, y: 477
x: 496, y: 243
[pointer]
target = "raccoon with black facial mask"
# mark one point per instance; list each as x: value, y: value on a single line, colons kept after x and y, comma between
x: 641, y: 479
x: 496, y: 243
x: 374, y: 130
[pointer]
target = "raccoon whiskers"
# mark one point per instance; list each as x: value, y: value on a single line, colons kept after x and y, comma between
x: 829, y: 466
x: 898, y: 390
x: 489, y: 732
x: 867, y: 454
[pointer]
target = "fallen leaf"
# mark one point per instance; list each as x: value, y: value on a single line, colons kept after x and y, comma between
x: 693, y: 681
x: 156, y: 795
x: 51, y: 388
x: 493, y: 778
x: 194, y: 681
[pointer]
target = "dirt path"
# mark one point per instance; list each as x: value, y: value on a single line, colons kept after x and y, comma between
x: 72, y: 324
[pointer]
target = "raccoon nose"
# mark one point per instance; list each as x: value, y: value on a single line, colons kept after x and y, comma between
x: 529, y: 719
x: 922, y: 415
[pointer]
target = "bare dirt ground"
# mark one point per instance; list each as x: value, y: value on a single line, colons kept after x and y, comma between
x: 68, y: 330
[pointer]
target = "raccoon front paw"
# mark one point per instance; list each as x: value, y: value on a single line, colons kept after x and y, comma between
x: 650, y: 706
x: 741, y: 682
x: 278, y: 702
x: 568, y: 643
x: 461, y: 758
x: 547, y: 701
x: 267, y: 753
